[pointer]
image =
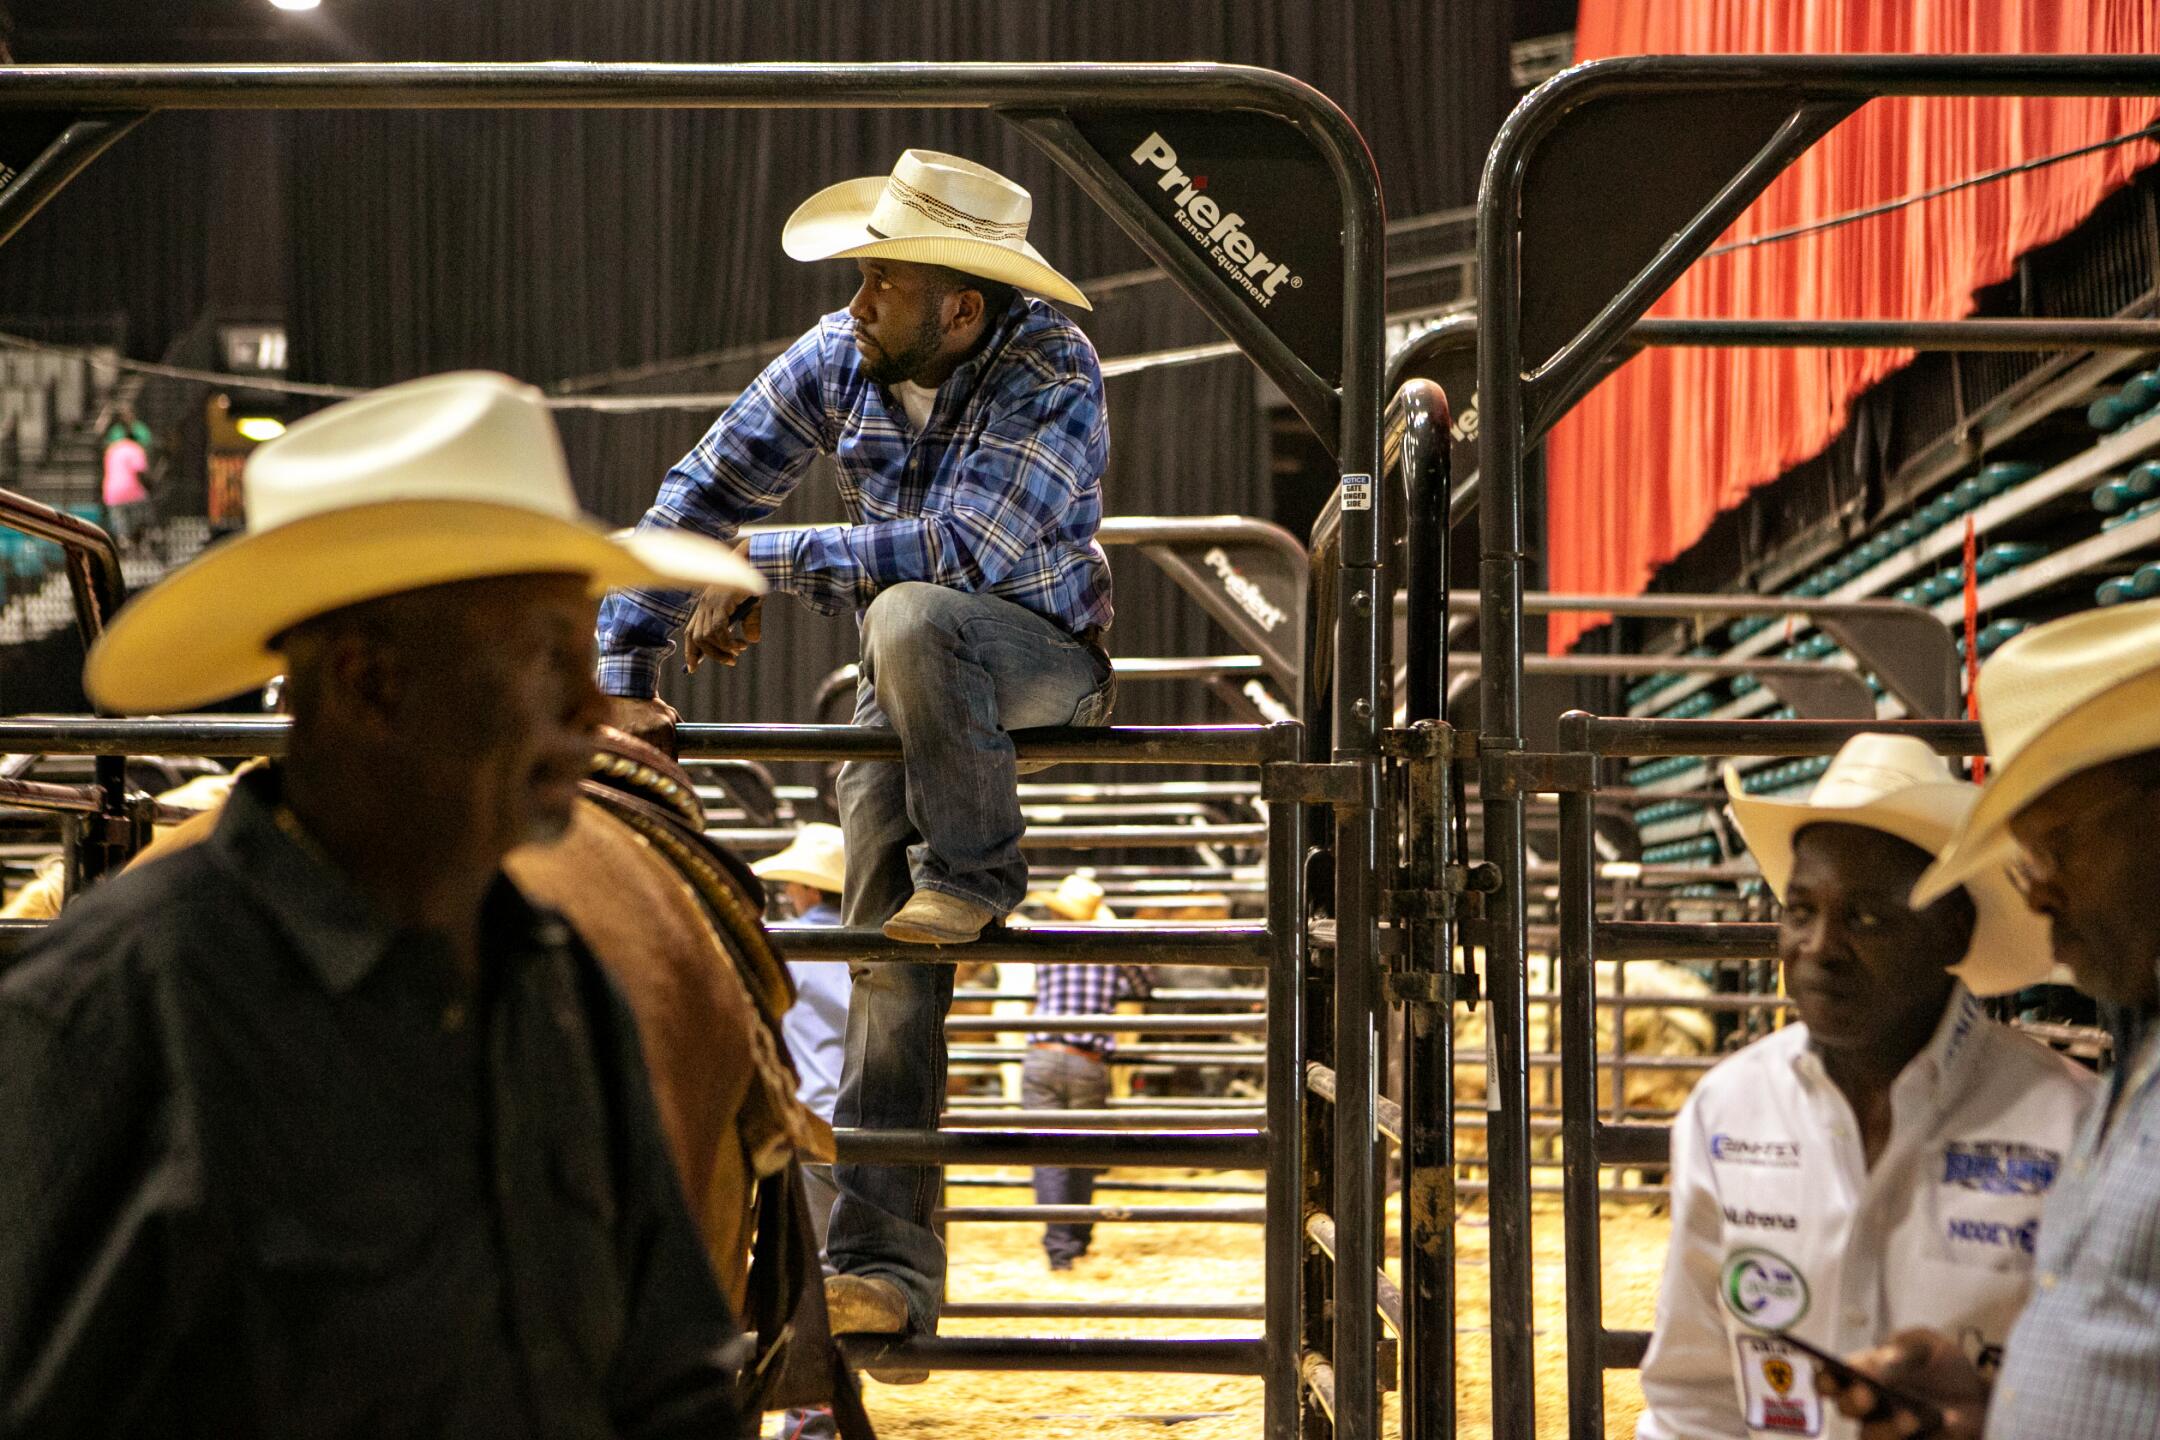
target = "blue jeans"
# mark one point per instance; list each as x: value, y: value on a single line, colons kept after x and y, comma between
x: 951, y: 673
x: 1054, y: 1079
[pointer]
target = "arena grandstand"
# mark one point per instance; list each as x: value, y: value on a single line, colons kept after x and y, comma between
x: 1626, y: 521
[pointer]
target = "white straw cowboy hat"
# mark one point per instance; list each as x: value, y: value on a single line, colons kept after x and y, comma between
x: 816, y: 857
x: 934, y: 209
x: 455, y: 477
x: 2055, y: 702
x: 1896, y: 784
x: 1077, y: 898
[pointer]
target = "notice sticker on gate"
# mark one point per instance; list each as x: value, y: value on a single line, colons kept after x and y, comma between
x: 1357, y: 492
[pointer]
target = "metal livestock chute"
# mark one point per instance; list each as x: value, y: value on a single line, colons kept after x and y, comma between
x: 1372, y: 884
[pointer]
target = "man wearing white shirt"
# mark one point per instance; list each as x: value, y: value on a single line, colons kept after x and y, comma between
x: 1883, y: 1162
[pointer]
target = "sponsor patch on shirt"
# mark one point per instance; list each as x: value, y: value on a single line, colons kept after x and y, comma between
x: 1972, y: 1231
x: 1764, y: 1289
x: 1779, y: 1384
x: 2000, y: 1167
x: 1740, y: 1150
x: 1760, y: 1219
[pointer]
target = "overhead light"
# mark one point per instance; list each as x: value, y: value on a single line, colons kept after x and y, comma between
x: 296, y: 4
x: 259, y: 427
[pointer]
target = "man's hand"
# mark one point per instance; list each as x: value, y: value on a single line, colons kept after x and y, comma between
x: 652, y: 721
x: 722, y: 627
x: 1924, y: 1363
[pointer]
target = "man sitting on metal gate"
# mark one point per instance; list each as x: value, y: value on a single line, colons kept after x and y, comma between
x: 2072, y: 715
x: 968, y: 427
x: 1070, y: 1070
x: 318, y: 1127
x: 1884, y: 1160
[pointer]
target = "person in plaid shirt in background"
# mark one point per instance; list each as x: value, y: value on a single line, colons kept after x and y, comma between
x: 967, y: 426
x: 1066, y: 1071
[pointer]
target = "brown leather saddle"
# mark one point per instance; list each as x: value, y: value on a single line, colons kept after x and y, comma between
x: 796, y: 1362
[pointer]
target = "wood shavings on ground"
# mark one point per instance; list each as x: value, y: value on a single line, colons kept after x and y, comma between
x: 1198, y: 1262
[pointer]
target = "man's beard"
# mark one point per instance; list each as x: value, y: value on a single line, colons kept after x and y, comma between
x: 890, y: 367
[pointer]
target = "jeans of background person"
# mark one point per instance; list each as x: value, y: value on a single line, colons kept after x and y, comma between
x: 126, y: 523
x: 1061, y: 1078
x: 951, y: 673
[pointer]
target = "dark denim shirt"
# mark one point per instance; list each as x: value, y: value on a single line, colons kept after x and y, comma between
x: 263, y: 1173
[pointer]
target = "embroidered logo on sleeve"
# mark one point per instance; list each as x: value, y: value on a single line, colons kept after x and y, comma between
x: 1740, y: 1150
x: 1764, y: 1290
x: 1779, y: 1383
x: 2000, y: 1167
x: 1751, y: 1218
x: 1993, y: 1234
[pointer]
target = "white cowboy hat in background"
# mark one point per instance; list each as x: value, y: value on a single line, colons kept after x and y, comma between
x: 1896, y: 784
x: 1077, y: 898
x: 454, y: 477
x: 816, y: 857
x: 2055, y: 702
x: 934, y: 209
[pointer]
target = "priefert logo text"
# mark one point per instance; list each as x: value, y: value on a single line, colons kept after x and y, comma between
x: 1224, y: 236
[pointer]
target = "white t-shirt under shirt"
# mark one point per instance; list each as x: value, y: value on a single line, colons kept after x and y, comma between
x: 916, y: 401
x: 1778, y: 1223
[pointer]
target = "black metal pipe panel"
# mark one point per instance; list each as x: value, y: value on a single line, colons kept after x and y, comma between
x: 1099, y: 1214
x: 1099, y: 1310
x: 1167, y: 1119
x: 243, y: 736
x: 1634, y: 1144
x: 1641, y: 737
x: 1623, y: 1349
x: 1387, y: 1115
x: 1107, y: 1024
x: 569, y: 85
x: 1095, y: 1352
x: 1230, y: 946
x: 1387, y: 1296
x: 1978, y: 334
x: 1672, y: 940
x: 1197, y: 1149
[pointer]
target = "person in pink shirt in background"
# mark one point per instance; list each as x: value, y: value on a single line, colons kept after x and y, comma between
x: 126, y: 498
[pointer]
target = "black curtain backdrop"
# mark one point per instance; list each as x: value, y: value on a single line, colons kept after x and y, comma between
x: 553, y: 245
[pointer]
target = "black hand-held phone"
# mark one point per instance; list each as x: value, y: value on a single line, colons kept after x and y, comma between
x: 1889, y: 1399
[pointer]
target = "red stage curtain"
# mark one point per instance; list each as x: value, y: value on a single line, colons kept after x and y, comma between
x: 1639, y: 470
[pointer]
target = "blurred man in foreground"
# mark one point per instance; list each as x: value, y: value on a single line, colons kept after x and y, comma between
x: 319, y: 1125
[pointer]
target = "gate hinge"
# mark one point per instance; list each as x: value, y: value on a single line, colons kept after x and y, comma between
x: 1292, y: 782
x: 1533, y: 772
x: 1429, y: 740
x: 1419, y: 987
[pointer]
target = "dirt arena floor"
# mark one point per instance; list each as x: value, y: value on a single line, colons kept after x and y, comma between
x: 1222, y: 1262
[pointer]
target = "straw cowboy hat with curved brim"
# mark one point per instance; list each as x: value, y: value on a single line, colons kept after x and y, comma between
x: 455, y: 477
x: 934, y: 209
x: 816, y: 857
x: 1896, y: 784
x: 2055, y: 702
x: 1077, y: 898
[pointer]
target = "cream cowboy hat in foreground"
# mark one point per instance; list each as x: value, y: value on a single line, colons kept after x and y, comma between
x: 817, y: 857
x: 1896, y: 784
x: 934, y: 209
x: 2055, y: 702
x: 455, y: 477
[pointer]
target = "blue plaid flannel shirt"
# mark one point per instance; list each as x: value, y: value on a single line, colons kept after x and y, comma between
x: 1000, y: 495
x: 1086, y: 990
x: 2083, y: 1359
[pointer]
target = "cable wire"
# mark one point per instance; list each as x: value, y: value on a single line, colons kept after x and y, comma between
x: 1850, y: 217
